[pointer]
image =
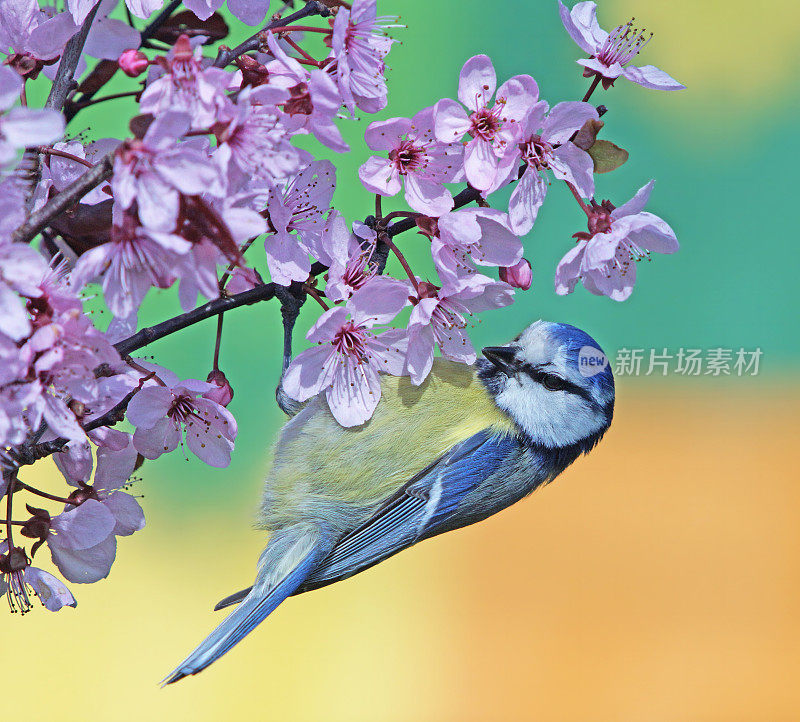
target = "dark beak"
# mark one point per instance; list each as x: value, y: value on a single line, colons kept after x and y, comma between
x: 501, y: 356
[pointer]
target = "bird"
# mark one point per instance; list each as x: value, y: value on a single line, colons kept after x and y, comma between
x: 468, y: 442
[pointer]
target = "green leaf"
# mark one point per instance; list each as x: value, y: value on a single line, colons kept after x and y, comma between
x: 607, y: 156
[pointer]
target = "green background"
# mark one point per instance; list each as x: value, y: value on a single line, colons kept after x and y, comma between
x: 724, y: 168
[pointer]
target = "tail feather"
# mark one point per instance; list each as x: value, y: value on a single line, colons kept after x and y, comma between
x: 283, y: 567
x: 231, y: 599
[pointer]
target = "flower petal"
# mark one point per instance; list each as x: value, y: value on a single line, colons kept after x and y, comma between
x: 52, y: 592
x: 477, y: 82
x: 649, y: 76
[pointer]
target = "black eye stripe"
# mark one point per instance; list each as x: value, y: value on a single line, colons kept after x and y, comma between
x: 542, y: 377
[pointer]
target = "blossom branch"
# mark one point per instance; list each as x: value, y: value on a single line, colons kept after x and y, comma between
x: 311, y: 8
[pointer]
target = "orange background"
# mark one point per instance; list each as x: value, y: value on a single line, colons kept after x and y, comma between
x: 657, y: 579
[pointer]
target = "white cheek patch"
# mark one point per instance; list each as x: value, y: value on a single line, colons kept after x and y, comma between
x: 552, y: 418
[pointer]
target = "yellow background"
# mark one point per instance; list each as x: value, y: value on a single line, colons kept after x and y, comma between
x: 658, y: 579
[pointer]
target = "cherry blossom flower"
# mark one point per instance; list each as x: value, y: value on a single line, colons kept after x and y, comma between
x: 301, y: 206
x: 611, y: 52
x: 253, y: 140
x: 135, y: 260
x: 180, y: 82
x: 156, y: 170
x: 360, y: 45
x: 415, y: 156
x: 313, y: 100
x: 604, y: 259
x: 439, y: 318
x: 349, y: 257
x: 222, y: 391
x: 17, y: 576
x: 494, y: 131
x: 23, y: 127
x: 473, y: 236
x: 82, y: 539
x: 133, y: 62
x: 349, y: 356
x: 163, y: 414
x: 519, y: 275
x: 28, y: 35
x: 545, y: 145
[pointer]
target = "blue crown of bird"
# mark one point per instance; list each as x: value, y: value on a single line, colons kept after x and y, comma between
x: 339, y: 500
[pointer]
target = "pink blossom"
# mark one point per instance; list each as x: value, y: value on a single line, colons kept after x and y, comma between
x: 134, y: 260
x: 163, y: 414
x: 360, y: 45
x: 349, y: 257
x: 611, y: 52
x: 519, y: 275
x: 494, y: 131
x: 604, y: 259
x: 349, y: 356
x: 82, y: 539
x: 313, y: 101
x: 222, y: 391
x: 252, y: 138
x: 415, y: 156
x: 23, y: 127
x: 27, y: 31
x: 156, y: 170
x: 180, y: 82
x: 17, y: 576
x: 301, y: 206
x: 545, y: 145
x: 133, y: 62
x: 473, y: 236
x: 440, y: 315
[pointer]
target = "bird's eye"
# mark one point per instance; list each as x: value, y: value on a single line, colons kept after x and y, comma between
x: 554, y: 383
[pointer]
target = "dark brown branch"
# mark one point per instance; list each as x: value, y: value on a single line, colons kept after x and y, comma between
x: 254, y: 42
x: 64, y: 81
x: 68, y: 197
x: 146, y: 336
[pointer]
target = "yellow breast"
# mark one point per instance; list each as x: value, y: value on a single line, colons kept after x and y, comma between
x: 411, y: 428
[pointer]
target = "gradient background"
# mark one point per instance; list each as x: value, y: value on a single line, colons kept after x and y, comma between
x: 658, y: 579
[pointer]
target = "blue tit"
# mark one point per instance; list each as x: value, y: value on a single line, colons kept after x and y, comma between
x: 467, y: 443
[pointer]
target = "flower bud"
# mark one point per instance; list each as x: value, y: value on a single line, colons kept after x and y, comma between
x: 133, y: 62
x: 222, y: 393
x: 519, y: 275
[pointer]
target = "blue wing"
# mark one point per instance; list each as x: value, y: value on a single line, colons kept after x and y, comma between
x: 419, y: 507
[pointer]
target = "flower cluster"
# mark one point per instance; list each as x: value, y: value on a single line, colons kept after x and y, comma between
x: 213, y: 193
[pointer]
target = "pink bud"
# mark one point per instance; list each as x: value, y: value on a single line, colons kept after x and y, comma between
x: 519, y: 275
x: 222, y: 393
x: 133, y: 62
